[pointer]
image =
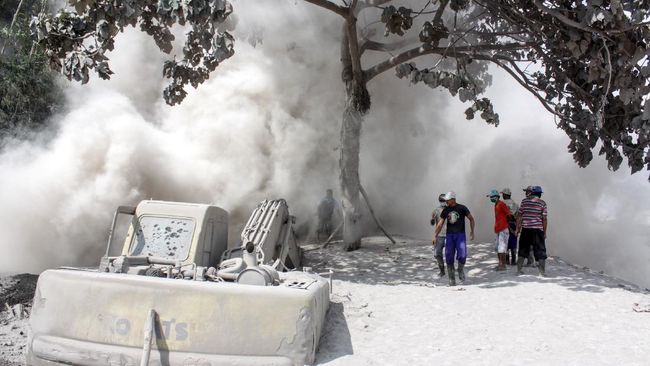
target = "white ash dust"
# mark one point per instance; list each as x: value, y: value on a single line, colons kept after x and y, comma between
x: 266, y: 125
x: 388, y: 309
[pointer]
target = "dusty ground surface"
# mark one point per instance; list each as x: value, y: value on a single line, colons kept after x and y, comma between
x: 388, y: 308
x: 14, y: 290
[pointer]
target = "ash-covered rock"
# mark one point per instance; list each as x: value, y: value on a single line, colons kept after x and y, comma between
x: 16, y: 294
x: 17, y: 289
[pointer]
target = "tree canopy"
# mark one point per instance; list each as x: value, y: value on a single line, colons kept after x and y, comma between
x: 587, y: 62
x: 29, y: 93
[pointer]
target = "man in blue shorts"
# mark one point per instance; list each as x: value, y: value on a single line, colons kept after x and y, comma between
x: 455, y: 242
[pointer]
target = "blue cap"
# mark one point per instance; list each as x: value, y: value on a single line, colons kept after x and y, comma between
x: 493, y: 193
x: 536, y: 189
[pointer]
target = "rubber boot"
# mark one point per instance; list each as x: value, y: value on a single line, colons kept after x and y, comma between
x: 520, y: 265
x: 513, y: 257
x: 441, y: 266
x: 508, y: 257
x: 461, y: 273
x: 541, y: 264
x: 531, y: 260
x: 450, y: 273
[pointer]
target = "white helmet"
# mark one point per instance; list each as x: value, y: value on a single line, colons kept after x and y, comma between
x: 450, y: 196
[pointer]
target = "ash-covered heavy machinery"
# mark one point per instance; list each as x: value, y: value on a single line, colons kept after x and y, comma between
x: 177, y: 296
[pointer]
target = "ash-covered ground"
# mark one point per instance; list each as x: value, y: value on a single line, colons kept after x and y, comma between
x: 388, y: 308
x: 16, y: 294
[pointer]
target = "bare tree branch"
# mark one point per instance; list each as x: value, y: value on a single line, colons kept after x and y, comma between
x: 427, y: 50
x: 353, y: 42
x: 440, y: 11
x: 342, y: 11
x: 561, y: 17
x: 524, y: 82
x: 383, y: 47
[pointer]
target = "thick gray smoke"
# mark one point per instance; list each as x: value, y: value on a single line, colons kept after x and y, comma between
x: 266, y: 125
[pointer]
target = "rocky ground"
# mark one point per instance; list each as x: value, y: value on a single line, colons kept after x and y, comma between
x: 388, y: 308
x: 16, y: 293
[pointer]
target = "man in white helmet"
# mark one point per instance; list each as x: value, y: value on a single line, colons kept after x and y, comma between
x: 455, y: 242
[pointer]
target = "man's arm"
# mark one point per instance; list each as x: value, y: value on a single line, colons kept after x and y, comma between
x: 544, y: 224
x: 438, y: 228
x: 471, y: 226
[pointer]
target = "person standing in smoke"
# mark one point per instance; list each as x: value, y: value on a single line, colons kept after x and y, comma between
x: 532, y: 224
x: 439, y: 239
x: 325, y: 212
x: 501, y: 214
x: 455, y: 242
x: 513, y: 207
x: 530, y: 260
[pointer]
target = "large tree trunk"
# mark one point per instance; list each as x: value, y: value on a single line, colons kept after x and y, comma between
x: 349, y: 167
x: 357, y: 104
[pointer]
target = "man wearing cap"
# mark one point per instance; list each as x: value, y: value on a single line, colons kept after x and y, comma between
x: 501, y: 213
x: 455, y: 242
x: 532, y: 224
x: 513, y: 207
x: 439, y: 240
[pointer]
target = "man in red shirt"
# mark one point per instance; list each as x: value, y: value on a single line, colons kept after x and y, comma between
x: 501, y: 213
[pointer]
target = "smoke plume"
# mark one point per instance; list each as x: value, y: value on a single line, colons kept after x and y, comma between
x: 266, y: 125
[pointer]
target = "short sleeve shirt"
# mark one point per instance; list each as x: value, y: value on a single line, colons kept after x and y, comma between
x: 533, y: 210
x: 501, y: 213
x: 455, y: 217
x: 436, y: 212
x: 512, y: 206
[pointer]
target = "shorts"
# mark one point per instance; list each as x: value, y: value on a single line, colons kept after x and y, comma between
x: 532, y: 239
x: 501, y: 241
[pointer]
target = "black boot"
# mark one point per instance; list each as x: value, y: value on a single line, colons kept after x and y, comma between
x: 441, y: 267
x: 520, y: 265
x: 461, y: 273
x: 513, y: 257
x: 450, y: 273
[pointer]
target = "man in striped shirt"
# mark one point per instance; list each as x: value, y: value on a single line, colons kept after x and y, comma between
x: 532, y: 224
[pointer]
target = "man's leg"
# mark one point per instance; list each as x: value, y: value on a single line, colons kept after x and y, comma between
x: 450, y: 252
x: 512, y: 243
x: 524, y: 249
x: 539, y: 248
x: 502, y: 249
x: 440, y: 245
x: 461, y: 255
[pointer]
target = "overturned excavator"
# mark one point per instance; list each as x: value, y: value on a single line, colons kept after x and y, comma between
x: 176, y: 295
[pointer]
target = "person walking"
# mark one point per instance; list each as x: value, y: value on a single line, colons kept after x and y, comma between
x: 325, y: 213
x: 455, y: 241
x: 501, y: 213
x: 532, y: 225
x: 513, y: 207
x: 439, y: 239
